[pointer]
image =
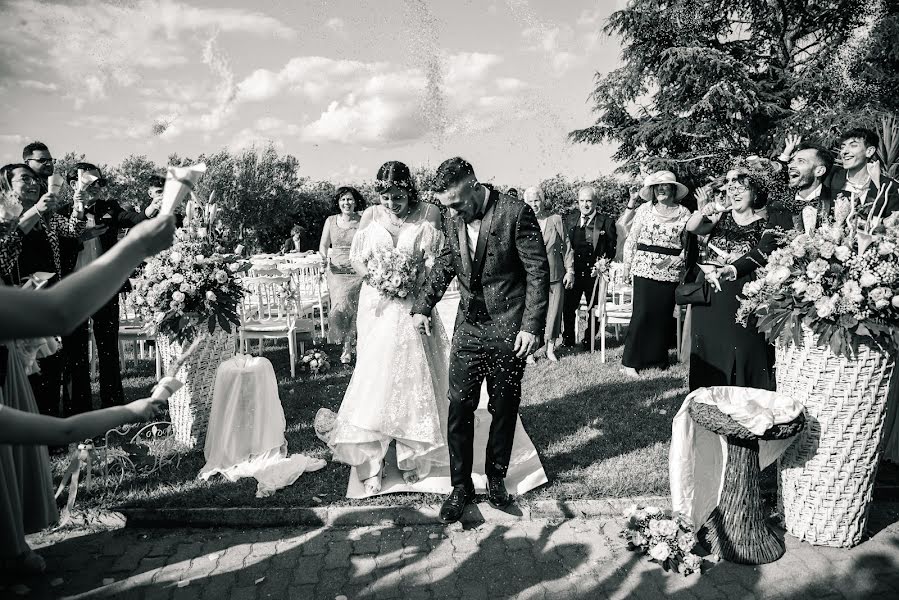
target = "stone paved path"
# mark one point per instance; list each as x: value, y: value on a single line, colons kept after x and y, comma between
x: 526, y: 559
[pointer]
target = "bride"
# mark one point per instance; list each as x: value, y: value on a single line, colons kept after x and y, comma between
x: 398, y: 392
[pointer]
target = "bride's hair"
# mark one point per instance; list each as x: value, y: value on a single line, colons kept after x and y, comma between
x: 393, y: 172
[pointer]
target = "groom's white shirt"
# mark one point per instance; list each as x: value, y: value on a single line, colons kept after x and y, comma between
x: 474, y: 228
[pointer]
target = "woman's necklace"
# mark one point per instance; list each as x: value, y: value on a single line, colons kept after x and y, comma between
x: 392, y: 218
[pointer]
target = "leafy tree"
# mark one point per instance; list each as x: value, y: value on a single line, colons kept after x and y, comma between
x: 130, y: 180
x: 703, y: 78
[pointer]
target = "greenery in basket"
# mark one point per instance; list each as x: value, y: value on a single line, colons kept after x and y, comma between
x: 839, y: 279
x: 314, y: 361
x: 188, y: 289
x: 665, y: 536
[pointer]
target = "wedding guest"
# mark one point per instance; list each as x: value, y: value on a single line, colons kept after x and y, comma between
x: 26, y: 492
x: 860, y: 176
x: 37, y: 156
x: 344, y: 284
x: 723, y: 352
x: 32, y: 247
x: 513, y: 192
x: 653, y: 258
x: 154, y: 191
x: 293, y: 243
x: 107, y: 217
x: 556, y: 241
x: 591, y: 236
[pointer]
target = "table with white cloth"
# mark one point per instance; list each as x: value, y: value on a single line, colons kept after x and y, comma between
x: 721, y: 439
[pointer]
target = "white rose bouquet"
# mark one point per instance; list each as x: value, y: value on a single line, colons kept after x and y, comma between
x: 188, y: 288
x: 837, y: 279
x: 665, y: 536
x: 314, y: 361
x: 392, y: 272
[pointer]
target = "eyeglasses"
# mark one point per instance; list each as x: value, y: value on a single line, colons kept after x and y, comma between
x: 43, y: 161
x: 26, y: 179
x: 740, y: 183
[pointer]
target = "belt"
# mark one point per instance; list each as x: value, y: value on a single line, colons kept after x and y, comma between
x: 659, y: 249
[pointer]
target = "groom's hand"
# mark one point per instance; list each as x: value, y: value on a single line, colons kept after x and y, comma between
x: 525, y: 344
x: 422, y: 324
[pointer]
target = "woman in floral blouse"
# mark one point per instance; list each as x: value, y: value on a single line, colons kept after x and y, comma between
x: 653, y: 257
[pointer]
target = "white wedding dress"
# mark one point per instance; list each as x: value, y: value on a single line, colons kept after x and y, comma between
x: 399, y: 387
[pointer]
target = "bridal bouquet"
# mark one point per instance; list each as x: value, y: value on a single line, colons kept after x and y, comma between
x: 665, y: 536
x: 392, y: 272
x: 188, y: 288
x: 840, y: 280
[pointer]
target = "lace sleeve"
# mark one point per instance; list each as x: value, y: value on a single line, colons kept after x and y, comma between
x: 432, y: 241
x: 359, y: 249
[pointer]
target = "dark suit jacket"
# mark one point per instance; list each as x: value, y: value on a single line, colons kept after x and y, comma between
x: 889, y: 196
x: 605, y: 238
x: 117, y: 218
x: 511, y: 259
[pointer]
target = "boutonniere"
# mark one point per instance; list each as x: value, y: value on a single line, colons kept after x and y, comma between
x: 106, y: 216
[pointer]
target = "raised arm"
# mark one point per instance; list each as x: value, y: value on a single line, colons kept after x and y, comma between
x: 61, y: 308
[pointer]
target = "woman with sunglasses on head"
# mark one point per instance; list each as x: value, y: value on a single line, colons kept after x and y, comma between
x: 30, y: 250
x: 723, y: 352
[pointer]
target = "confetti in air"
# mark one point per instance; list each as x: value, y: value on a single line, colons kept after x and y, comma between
x: 855, y: 48
x: 159, y: 126
x: 423, y: 41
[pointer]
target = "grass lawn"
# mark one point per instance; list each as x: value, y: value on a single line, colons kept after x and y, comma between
x: 598, y: 433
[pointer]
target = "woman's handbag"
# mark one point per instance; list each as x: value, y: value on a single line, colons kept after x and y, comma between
x: 693, y: 288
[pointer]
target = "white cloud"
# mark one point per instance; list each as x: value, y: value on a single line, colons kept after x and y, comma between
x: 555, y: 43
x: 100, y: 44
x: 379, y: 103
x: 12, y: 139
x: 38, y: 86
x: 337, y: 25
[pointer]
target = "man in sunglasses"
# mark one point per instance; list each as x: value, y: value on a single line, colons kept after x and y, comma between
x: 105, y: 217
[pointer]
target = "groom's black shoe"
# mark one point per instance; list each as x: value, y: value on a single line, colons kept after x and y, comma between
x: 454, y: 505
x: 496, y: 492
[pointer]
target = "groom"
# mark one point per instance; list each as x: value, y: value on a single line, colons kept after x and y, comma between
x: 495, y: 249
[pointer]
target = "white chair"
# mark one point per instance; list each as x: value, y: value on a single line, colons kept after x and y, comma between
x: 307, y: 279
x: 133, y: 328
x: 269, y: 311
x: 608, y: 312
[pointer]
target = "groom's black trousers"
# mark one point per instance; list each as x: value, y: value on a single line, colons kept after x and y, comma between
x: 482, y: 350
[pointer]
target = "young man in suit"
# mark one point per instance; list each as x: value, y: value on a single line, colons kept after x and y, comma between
x: 106, y: 217
x: 591, y: 236
x: 860, y: 176
x: 495, y: 249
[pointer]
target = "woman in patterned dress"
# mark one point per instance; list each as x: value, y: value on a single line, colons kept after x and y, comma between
x: 722, y: 351
x: 344, y: 283
x: 653, y: 257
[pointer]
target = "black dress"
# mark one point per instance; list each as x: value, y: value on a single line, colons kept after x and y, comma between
x: 724, y: 352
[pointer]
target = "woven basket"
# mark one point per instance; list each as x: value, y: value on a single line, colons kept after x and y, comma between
x: 189, y: 406
x: 827, y: 475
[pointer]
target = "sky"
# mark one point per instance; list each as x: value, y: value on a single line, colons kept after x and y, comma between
x: 342, y: 85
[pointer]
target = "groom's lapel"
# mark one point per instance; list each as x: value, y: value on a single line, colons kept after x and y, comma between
x: 463, y: 245
x: 484, y: 232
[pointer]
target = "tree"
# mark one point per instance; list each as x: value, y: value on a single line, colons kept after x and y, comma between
x: 703, y: 78
x: 129, y: 182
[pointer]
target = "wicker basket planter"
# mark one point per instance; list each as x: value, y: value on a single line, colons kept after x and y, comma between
x: 827, y: 475
x: 189, y: 407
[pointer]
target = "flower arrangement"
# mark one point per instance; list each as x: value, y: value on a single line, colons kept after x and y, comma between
x: 839, y: 279
x: 392, y: 272
x: 314, y: 361
x: 188, y: 289
x: 601, y: 268
x: 665, y: 536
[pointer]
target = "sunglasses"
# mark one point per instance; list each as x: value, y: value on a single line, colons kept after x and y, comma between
x: 43, y: 161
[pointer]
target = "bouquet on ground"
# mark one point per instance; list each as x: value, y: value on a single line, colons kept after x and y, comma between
x: 314, y: 361
x: 838, y: 279
x: 665, y: 536
x: 187, y: 290
x: 392, y: 272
